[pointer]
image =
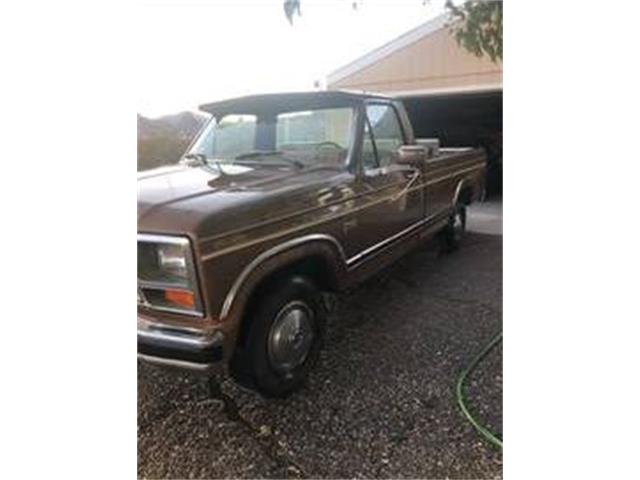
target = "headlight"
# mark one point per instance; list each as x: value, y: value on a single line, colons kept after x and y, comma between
x: 166, y: 274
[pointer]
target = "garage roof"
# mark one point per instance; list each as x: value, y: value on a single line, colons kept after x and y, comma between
x: 388, y: 48
x: 424, y: 61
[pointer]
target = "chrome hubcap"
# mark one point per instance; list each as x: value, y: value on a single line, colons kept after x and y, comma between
x: 290, y: 337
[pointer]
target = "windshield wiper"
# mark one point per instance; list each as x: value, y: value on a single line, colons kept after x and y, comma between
x: 258, y: 153
x: 268, y: 153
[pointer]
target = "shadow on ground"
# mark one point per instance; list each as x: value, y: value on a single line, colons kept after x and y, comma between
x: 381, y: 402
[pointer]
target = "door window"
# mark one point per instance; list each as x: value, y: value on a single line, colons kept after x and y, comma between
x: 387, y: 133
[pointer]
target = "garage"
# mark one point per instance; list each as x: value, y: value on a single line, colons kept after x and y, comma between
x: 473, y: 119
x: 448, y: 92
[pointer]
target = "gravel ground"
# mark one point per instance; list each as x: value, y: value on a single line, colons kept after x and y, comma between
x: 381, y: 402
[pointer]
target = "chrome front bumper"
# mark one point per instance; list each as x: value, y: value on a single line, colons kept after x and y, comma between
x: 180, y: 348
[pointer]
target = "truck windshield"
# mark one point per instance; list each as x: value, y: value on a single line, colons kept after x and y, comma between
x: 301, y: 138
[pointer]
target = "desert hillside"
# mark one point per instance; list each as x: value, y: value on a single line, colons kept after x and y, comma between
x: 161, y: 141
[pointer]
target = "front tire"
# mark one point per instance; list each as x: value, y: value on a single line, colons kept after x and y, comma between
x: 285, y: 336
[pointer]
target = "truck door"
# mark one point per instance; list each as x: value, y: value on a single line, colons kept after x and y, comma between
x: 390, y: 203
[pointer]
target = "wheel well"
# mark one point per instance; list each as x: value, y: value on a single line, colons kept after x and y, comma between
x: 466, y: 195
x: 316, y: 268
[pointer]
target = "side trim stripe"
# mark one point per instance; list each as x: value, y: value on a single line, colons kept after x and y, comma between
x: 314, y: 223
x: 282, y: 218
x: 349, y: 263
x: 356, y: 258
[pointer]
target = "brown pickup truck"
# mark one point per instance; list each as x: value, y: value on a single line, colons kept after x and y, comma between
x: 281, y: 200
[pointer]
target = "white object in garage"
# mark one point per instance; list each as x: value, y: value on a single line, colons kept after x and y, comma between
x: 432, y: 145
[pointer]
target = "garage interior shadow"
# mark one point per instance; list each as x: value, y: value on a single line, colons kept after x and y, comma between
x: 463, y: 120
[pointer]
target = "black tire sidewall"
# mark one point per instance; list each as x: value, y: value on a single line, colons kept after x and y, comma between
x: 450, y: 242
x: 462, y: 211
x: 268, y: 381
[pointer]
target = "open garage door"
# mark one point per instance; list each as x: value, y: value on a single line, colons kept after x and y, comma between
x: 460, y: 120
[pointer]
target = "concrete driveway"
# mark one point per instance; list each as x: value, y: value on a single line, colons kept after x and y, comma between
x: 381, y: 402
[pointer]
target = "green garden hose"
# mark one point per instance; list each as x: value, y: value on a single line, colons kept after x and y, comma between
x: 485, y: 432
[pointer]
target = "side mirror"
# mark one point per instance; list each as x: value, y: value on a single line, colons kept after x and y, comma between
x: 414, y: 155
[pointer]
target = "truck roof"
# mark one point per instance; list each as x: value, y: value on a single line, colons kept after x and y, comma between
x: 293, y: 101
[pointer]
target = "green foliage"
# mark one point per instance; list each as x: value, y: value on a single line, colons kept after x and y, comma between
x: 477, y: 27
x: 291, y: 7
x: 476, y: 24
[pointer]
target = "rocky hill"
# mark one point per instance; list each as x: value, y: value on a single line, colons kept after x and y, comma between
x: 161, y: 141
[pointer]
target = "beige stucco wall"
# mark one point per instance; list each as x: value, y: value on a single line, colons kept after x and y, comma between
x: 434, y: 62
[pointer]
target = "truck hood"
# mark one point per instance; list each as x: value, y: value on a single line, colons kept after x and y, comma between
x: 209, y: 200
x: 167, y: 185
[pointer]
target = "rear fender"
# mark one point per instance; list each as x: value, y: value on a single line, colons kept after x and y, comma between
x: 462, y: 186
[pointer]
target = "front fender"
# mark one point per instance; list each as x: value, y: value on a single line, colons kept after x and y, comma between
x: 277, y: 258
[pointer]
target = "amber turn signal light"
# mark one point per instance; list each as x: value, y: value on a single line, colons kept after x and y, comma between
x: 181, y: 298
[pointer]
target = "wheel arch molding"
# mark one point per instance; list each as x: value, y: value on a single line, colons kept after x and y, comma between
x: 315, y: 250
x: 465, y: 191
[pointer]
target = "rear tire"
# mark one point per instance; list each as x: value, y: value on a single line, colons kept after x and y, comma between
x: 453, y: 233
x: 285, y: 336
